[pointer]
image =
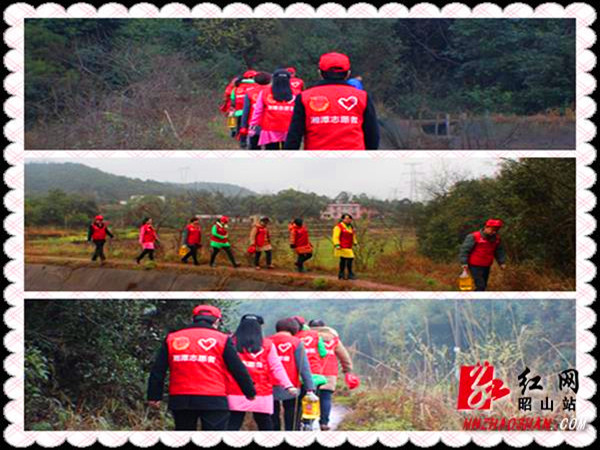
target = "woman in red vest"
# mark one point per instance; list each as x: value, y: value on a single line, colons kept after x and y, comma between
x: 479, y: 250
x: 260, y: 357
x: 300, y: 243
x: 261, y: 81
x: 273, y: 112
x: 260, y: 239
x: 293, y: 357
x: 97, y: 233
x: 192, y: 238
x: 344, y: 239
x: 148, y: 240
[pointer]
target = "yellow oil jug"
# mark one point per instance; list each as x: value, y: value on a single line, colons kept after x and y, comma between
x: 231, y: 122
x: 465, y: 281
x: 310, y: 410
x: 183, y: 250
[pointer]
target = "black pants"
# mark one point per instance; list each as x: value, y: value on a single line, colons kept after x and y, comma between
x: 292, y: 413
x: 346, y: 263
x: 480, y: 275
x: 193, y: 253
x: 99, y: 252
x: 227, y: 250
x: 302, y: 258
x: 325, y: 397
x: 253, y: 142
x: 236, y: 418
x: 146, y: 251
x: 187, y: 420
x: 274, y: 146
x: 269, y: 254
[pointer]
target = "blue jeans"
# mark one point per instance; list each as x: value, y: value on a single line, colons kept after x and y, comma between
x: 325, y: 400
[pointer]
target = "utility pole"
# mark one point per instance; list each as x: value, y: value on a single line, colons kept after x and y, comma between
x: 183, y: 174
x: 413, y: 174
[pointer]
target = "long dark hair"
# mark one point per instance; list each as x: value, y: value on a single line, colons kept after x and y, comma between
x: 248, y: 336
x: 145, y: 221
x: 280, y: 86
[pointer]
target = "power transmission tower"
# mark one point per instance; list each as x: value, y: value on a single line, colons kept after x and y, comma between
x: 413, y: 174
x: 183, y: 174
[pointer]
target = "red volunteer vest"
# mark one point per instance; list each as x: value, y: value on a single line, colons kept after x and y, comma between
x: 334, y: 117
x: 194, y: 236
x: 286, y: 346
x: 196, y: 364
x: 240, y: 93
x: 221, y: 231
x: 98, y: 233
x: 484, y: 250
x: 259, y: 370
x: 149, y: 233
x: 302, y: 238
x: 262, y: 236
x: 346, y: 237
x: 277, y: 116
x: 253, y: 92
x: 330, y: 363
x: 297, y: 85
x: 310, y: 339
x: 227, y: 96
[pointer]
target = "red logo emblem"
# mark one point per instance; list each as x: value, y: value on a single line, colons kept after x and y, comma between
x: 477, y: 387
x: 318, y: 103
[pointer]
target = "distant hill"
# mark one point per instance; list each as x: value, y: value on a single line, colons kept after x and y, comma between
x: 79, y: 178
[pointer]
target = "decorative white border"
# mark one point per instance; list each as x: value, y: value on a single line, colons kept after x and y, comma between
x: 14, y: 16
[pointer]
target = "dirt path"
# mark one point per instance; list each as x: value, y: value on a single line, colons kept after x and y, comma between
x: 338, y: 412
x: 219, y: 275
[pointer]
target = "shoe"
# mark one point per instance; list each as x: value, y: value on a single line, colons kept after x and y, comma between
x: 213, y: 265
x: 351, y: 276
x: 325, y: 427
x: 184, y: 261
x: 236, y: 265
x: 341, y: 276
x: 257, y: 267
x: 271, y: 266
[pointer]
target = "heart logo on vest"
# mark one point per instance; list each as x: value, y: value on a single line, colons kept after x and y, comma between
x: 284, y: 347
x: 329, y: 345
x: 257, y: 354
x: 207, y: 344
x: 348, y: 103
x: 180, y: 343
x: 318, y: 103
x: 307, y: 340
x: 295, y: 84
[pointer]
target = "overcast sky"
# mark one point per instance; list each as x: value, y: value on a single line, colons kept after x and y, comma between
x: 384, y: 178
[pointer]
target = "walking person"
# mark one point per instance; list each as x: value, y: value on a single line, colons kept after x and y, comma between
x: 238, y: 95
x: 336, y: 353
x: 260, y: 357
x: 300, y: 243
x: 293, y: 357
x: 296, y: 83
x: 202, y: 363
x: 97, y: 232
x: 273, y: 112
x: 148, y: 240
x: 192, y: 239
x: 219, y: 240
x: 260, y: 239
x: 332, y: 114
x: 261, y: 81
x: 479, y: 250
x: 344, y: 239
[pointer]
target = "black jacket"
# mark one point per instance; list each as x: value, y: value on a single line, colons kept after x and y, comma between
x: 297, y: 127
x: 234, y: 365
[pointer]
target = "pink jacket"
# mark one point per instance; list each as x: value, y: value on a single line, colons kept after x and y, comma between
x: 145, y: 245
x: 262, y: 403
x: 266, y: 137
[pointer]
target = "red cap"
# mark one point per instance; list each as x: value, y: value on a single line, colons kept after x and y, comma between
x: 207, y: 310
x: 334, y: 62
x: 250, y: 73
x: 224, y: 219
x: 99, y: 217
x: 494, y: 223
x: 291, y: 70
x: 300, y: 319
x: 352, y: 381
